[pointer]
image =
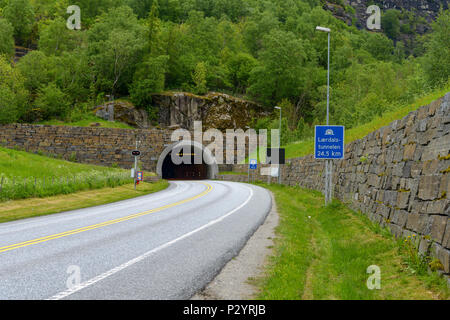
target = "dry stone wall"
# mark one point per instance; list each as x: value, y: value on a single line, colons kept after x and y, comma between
x: 95, y: 145
x: 398, y: 176
x: 99, y: 146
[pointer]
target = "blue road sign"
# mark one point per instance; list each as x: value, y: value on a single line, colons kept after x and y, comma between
x: 253, y: 164
x: 140, y: 176
x: 329, y: 142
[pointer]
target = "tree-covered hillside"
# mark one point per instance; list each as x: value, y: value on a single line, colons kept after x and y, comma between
x: 263, y: 50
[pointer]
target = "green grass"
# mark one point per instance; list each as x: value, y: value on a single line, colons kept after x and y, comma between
x: 305, y: 147
x: 233, y: 173
x: 19, y: 170
x: 27, y: 208
x: 324, y: 252
x: 87, y: 122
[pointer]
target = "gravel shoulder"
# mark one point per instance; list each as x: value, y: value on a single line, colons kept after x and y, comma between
x: 232, y: 282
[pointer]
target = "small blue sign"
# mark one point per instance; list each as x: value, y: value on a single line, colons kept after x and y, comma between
x: 329, y: 142
x: 253, y: 164
x: 140, y: 176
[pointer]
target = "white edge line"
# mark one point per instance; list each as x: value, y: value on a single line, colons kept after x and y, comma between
x: 109, y: 273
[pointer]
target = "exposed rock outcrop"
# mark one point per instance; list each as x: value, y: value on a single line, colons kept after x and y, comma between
x: 215, y: 110
x: 415, y: 16
x: 428, y: 9
x: 124, y: 112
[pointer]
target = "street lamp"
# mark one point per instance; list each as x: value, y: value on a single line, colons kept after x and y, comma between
x: 279, y: 165
x: 328, y: 72
x: 328, y: 164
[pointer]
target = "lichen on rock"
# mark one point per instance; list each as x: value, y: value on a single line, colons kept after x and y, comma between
x: 215, y: 110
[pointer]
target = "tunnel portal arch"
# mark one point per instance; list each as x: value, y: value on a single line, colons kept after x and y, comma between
x: 166, y: 169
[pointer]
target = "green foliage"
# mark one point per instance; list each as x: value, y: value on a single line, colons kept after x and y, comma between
x: 436, y: 62
x: 417, y: 262
x: 264, y: 50
x: 115, y: 45
x: 141, y: 7
x: 51, y: 102
x: 92, y: 9
x: 20, y: 14
x: 199, y: 79
x: 390, y: 23
x: 13, y: 95
x: 154, y: 29
x: 69, y: 73
x: 149, y: 79
x: 34, y: 67
x: 55, y: 38
x: 8, y: 107
x: 280, y: 73
x: 239, y: 68
x: 380, y: 47
x: 6, y: 38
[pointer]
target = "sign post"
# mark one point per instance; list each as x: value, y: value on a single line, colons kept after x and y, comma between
x: 252, y: 166
x: 276, y: 156
x: 136, y: 154
x: 329, y: 145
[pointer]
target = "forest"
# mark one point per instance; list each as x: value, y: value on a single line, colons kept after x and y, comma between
x: 263, y: 50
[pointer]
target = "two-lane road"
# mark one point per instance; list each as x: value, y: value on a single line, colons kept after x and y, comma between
x: 166, y: 245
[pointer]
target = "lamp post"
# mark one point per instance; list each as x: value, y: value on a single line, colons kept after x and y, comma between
x: 328, y: 163
x: 279, y: 165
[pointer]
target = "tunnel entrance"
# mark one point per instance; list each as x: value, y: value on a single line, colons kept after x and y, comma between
x: 171, y: 171
x: 168, y: 170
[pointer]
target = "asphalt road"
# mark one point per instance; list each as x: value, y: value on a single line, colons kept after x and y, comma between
x: 167, y: 245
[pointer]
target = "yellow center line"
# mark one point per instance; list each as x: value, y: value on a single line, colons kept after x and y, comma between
x: 102, y: 224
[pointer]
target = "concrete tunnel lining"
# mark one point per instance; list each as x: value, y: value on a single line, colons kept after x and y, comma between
x: 208, y: 158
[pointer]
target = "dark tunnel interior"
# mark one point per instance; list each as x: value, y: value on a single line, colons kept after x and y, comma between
x: 171, y: 171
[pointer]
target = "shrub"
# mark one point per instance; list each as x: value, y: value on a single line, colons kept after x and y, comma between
x: 6, y: 38
x: 52, y: 102
x: 13, y: 96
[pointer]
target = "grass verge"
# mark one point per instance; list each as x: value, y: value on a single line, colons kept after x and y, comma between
x: 27, y: 208
x: 323, y: 253
x: 233, y: 173
x: 88, y: 121
x: 25, y: 175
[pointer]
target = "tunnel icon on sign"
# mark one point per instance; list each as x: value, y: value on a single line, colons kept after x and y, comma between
x: 329, y: 132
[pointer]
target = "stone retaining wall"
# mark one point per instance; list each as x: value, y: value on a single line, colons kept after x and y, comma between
x: 99, y: 146
x: 95, y: 145
x: 397, y: 175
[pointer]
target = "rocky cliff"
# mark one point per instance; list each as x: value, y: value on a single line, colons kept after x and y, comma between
x: 215, y: 110
x: 125, y: 112
x: 348, y: 9
x: 414, y: 16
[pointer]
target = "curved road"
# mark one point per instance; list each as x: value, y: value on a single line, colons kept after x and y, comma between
x: 167, y: 245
